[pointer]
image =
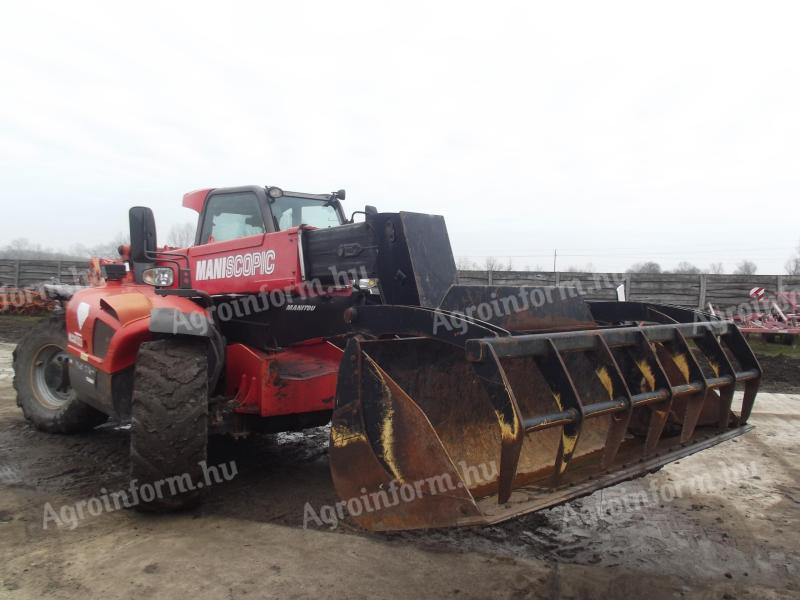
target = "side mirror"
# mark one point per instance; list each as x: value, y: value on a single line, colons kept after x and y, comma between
x: 143, y: 234
x: 368, y: 211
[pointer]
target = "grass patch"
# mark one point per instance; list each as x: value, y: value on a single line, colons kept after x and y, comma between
x: 763, y: 348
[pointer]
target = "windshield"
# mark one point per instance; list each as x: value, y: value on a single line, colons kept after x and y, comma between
x: 231, y: 216
x: 291, y: 211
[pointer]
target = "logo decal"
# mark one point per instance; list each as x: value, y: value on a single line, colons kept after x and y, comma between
x: 236, y: 265
x: 82, y: 313
x: 301, y: 307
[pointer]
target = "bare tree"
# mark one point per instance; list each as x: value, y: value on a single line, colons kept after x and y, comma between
x: 746, y: 267
x: 465, y: 264
x: 645, y: 267
x: 793, y: 264
x: 716, y: 268
x: 19, y: 245
x: 181, y: 236
x: 587, y: 268
x: 493, y: 264
x: 110, y: 249
x: 21, y: 248
x: 686, y: 268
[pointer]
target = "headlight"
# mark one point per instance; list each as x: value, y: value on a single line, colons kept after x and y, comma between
x: 159, y: 277
x: 369, y: 285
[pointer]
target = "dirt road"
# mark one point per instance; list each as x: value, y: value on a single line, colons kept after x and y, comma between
x: 721, y: 524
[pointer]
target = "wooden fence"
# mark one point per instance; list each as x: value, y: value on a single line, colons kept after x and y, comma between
x: 696, y: 291
x: 31, y: 273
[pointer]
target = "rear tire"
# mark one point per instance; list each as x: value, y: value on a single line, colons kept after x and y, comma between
x: 169, y: 423
x: 41, y: 380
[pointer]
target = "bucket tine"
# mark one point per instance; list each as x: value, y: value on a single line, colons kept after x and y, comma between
x: 744, y: 353
x: 612, y: 378
x: 682, y: 368
x: 566, y: 396
x: 750, y: 391
x: 693, y: 372
x: 656, y: 378
x: 495, y: 381
x: 722, y: 367
x: 726, y: 401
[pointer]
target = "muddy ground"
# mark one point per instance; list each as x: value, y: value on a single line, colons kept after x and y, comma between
x: 720, y: 524
x: 781, y: 365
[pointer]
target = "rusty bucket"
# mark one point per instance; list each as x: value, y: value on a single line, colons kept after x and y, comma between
x: 431, y: 433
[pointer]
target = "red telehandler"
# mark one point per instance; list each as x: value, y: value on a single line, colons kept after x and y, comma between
x: 485, y: 401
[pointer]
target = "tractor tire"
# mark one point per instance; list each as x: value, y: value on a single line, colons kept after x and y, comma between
x: 41, y: 380
x: 169, y: 423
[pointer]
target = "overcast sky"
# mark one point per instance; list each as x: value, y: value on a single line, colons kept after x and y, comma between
x: 614, y: 132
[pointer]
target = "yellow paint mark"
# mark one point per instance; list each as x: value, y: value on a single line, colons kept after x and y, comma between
x: 647, y: 372
x: 387, y: 440
x: 568, y: 442
x: 714, y: 367
x: 605, y: 379
x: 342, y: 436
x: 682, y: 364
x: 507, y: 431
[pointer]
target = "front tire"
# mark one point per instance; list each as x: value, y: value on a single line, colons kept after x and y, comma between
x: 169, y: 423
x: 41, y: 380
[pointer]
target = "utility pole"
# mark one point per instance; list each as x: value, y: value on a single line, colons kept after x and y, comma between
x: 555, y: 256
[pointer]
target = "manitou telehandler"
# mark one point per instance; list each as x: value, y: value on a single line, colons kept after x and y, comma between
x: 285, y: 314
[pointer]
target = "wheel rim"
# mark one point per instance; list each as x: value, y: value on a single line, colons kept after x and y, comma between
x: 50, y: 377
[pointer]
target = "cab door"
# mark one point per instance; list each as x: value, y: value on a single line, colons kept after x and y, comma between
x: 237, y: 249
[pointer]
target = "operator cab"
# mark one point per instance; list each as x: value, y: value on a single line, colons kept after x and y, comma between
x: 232, y: 213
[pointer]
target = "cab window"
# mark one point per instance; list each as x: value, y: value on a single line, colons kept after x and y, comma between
x: 231, y: 216
x: 290, y: 211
